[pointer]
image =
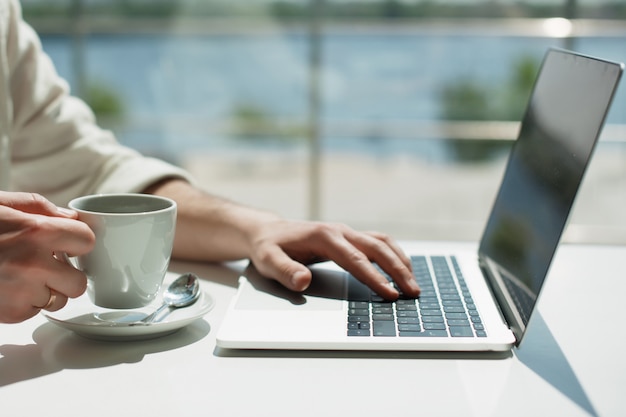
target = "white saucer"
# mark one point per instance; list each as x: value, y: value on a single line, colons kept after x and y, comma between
x: 80, y: 315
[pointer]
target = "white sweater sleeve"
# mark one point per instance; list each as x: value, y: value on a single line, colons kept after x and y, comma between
x: 56, y: 147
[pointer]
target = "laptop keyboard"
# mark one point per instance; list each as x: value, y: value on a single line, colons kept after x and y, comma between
x: 445, y: 307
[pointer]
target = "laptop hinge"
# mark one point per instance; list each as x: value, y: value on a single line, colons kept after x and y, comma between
x: 495, y: 277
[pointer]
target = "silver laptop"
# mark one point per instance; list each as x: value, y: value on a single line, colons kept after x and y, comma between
x: 470, y: 301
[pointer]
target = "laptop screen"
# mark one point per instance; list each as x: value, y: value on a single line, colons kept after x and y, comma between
x: 563, y: 120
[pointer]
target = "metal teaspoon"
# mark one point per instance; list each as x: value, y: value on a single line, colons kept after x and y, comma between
x: 183, y: 292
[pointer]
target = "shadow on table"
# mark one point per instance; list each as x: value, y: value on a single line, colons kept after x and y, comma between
x: 540, y: 352
x: 56, y: 349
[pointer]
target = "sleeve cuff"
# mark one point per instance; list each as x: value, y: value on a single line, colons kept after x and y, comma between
x: 136, y: 175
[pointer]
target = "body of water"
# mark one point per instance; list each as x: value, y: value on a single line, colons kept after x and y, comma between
x: 176, y: 89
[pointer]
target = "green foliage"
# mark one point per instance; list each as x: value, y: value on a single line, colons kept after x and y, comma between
x: 465, y: 100
x: 516, y: 93
x: 253, y: 122
x: 105, y: 102
x: 470, y: 100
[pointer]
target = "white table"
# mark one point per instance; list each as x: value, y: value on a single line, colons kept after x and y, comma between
x: 571, y: 369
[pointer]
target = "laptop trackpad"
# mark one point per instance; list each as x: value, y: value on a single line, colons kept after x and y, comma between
x: 326, y: 292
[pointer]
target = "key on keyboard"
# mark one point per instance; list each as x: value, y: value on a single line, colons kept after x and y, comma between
x: 444, y: 308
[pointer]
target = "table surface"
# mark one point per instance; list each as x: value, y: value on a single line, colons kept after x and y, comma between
x: 570, y: 363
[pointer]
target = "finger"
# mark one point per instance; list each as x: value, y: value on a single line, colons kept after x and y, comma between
x: 359, y: 264
x: 50, y: 299
x: 54, y: 275
x: 24, y: 290
x: 366, y: 248
x: 56, y: 301
x: 65, y: 235
x: 394, y: 246
x: 19, y: 302
x: 391, y: 259
x: 276, y: 264
x: 38, y: 231
x: 65, y: 280
x: 35, y: 204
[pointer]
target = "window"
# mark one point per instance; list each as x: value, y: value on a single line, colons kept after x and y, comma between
x: 384, y: 114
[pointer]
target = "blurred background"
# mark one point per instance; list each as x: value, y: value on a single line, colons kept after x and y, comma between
x: 393, y: 115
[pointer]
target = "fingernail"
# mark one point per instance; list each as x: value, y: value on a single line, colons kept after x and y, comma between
x: 297, y: 281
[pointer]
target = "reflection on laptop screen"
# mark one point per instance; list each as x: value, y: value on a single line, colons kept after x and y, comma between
x: 557, y: 136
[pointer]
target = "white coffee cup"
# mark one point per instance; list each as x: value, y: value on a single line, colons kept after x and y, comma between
x: 134, y: 239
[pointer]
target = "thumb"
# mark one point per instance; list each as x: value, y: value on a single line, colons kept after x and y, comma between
x: 280, y: 267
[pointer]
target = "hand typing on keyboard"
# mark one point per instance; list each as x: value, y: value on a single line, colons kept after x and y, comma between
x: 282, y: 248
